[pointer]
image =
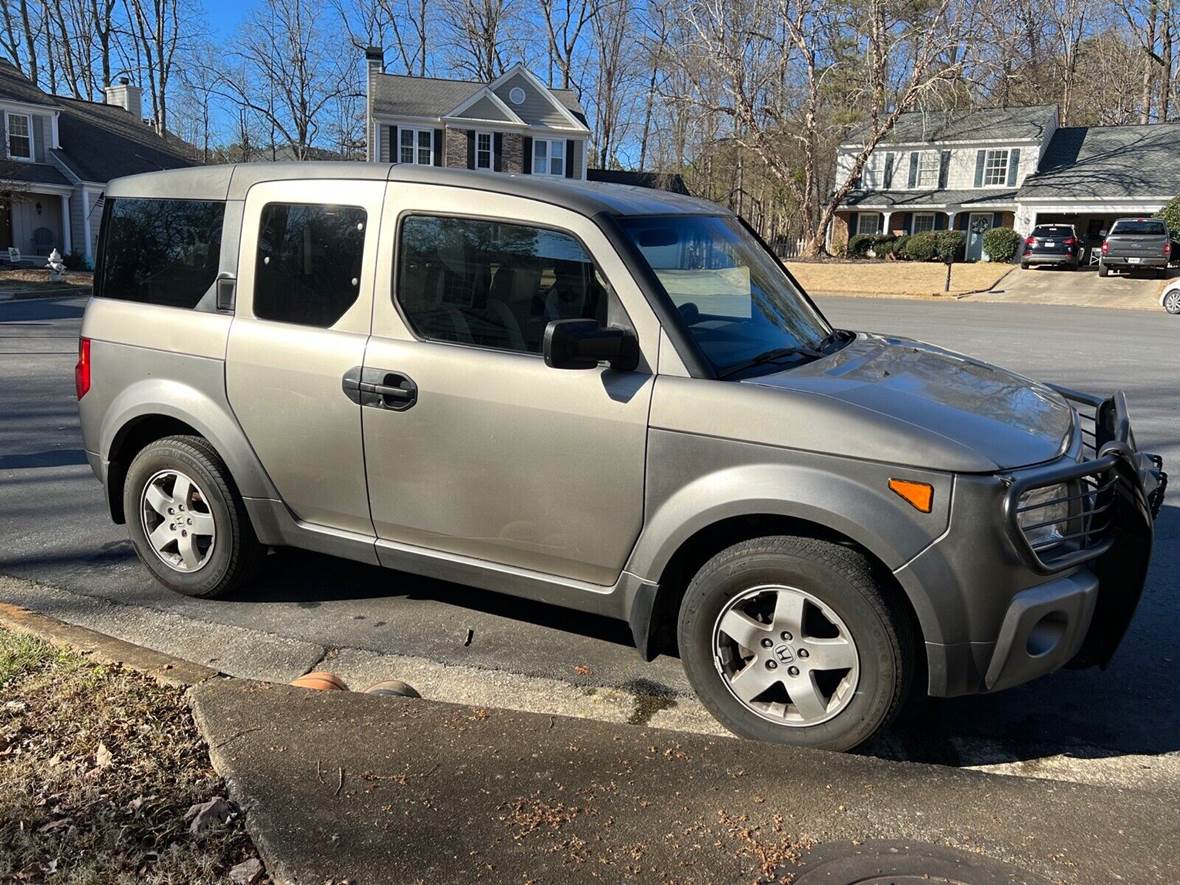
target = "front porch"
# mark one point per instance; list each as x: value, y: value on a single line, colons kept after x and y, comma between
x: 33, y: 223
x: 974, y: 222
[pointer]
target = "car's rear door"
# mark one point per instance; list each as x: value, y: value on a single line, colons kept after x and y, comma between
x: 490, y: 455
x: 304, y: 302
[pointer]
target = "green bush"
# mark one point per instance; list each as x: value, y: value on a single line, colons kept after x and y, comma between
x: 858, y: 246
x: 921, y: 247
x: 897, y: 247
x: 74, y: 261
x: 950, y: 245
x: 1171, y: 216
x: 1001, y: 244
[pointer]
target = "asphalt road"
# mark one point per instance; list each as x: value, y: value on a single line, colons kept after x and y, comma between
x: 54, y: 530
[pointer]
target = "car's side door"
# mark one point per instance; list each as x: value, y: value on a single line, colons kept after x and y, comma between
x: 304, y: 303
x: 488, y: 454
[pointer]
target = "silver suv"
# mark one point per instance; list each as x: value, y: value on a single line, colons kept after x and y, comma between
x: 607, y: 398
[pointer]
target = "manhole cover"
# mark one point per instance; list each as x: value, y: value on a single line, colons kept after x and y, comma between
x: 901, y: 863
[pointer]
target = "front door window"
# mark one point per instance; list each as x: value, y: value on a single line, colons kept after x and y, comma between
x: 978, y: 224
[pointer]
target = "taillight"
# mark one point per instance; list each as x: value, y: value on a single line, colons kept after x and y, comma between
x: 1070, y: 241
x: 1031, y: 241
x: 1105, y: 248
x: 82, y: 369
x: 1167, y: 248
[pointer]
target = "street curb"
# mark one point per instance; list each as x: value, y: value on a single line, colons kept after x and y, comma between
x: 161, y: 667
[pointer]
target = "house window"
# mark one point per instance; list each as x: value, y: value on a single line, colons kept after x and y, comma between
x: 416, y: 146
x: 995, y: 167
x: 20, y: 136
x: 923, y: 221
x: 549, y: 156
x: 483, y: 150
x: 928, y: 169
x: 868, y: 223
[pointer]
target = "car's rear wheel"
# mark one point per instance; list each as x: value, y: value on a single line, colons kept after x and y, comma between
x: 1172, y: 301
x: 791, y: 640
x: 1103, y: 270
x: 186, y: 520
x: 1024, y: 265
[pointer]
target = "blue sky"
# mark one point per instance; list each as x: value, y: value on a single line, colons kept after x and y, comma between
x: 224, y: 16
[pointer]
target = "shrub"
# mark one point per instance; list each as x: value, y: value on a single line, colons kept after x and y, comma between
x: 921, y: 247
x: 897, y: 247
x: 1171, y: 216
x: 950, y: 245
x: 1001, y: 244
x: 74, y: 261
x: 858, y: 246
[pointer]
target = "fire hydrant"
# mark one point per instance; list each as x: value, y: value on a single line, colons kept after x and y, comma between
x: 56, y: 265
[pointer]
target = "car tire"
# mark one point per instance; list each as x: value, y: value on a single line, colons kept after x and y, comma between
x: 1103, y: 270
x: 841, y: 603
x: 186, y: 519
x: 1171, y: 301
x: 1024, y: 265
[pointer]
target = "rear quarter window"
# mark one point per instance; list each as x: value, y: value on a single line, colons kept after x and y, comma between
x: 162, y: 252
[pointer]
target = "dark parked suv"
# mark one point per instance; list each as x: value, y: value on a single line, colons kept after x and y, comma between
x: 1052, y: 244
x: 607, y: 398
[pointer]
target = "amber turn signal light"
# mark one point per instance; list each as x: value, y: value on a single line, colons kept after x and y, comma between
x: 920, y: 495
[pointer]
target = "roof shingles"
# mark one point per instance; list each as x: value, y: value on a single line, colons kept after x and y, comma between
x: 986, y: 124
x: 395, y: 95
x: 1109, y: 162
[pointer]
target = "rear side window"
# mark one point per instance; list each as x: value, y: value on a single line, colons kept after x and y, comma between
x: 1053, y: 230
x: 159, y: 251
x: 1134, y: 228
x: 308, y: 266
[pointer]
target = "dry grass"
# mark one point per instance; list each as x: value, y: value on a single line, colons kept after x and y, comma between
x: 38, y: 278
x: 894, y: 279
x: 98, y: 766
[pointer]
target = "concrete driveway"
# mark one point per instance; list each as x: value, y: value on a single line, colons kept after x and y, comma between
x: 1081, y: 288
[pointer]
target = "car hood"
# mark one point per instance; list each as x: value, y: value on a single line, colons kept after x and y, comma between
x: 960, y: 411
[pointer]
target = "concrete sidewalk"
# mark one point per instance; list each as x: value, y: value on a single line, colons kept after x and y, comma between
x: 338, y: 785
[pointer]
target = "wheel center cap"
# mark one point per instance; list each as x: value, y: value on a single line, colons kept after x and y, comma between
x: 784, y: 653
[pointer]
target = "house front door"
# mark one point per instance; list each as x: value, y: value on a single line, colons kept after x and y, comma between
x: 977, y: 225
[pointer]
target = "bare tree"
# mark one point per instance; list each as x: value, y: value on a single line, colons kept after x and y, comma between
x: 402, y: 25
x: 293, y: 73
x: 155, y: 28
x: 477, y: 32
x: 610, y: 27
x: 565, y: 23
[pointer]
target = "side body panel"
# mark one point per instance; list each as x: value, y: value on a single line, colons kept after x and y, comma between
x: 502, y: 458
x: 284, y: 380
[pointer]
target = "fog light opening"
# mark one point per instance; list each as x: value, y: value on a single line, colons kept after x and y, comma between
x: 1046, y: 634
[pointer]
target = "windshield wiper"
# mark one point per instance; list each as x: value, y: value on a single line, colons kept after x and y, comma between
x: 770, y: 356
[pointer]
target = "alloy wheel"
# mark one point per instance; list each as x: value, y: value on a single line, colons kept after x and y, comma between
x: 1172, y: 301
x: 177, y: 521
x: 785, y: 655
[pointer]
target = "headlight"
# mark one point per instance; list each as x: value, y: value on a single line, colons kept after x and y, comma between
x: 1047, y: 510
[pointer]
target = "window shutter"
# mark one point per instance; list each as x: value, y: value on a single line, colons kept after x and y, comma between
x: 997, y: 219
x: 944, y: 167
x: 439, y: 141
x: 913, y: 170
x: 888, y: 182
x: 395, y: 149
x: 498, y: 151
x: 569, y: 158
x: 470, y: 148
x: 527, y: 157
x: 853, y: 224
x: 1013, y: 166
x: 939, y: 221
x: 979, y: 155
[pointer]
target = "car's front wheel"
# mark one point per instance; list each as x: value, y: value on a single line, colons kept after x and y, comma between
x: 186, y: 520
x: 791, y: 640
x: 1172, y: 301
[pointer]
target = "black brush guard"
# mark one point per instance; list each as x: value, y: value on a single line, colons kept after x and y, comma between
x: 1114, y: 496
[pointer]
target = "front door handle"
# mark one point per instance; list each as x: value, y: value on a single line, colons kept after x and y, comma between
x: 380, y: 388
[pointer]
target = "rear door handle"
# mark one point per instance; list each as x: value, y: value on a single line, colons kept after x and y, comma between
x: 380, y: 388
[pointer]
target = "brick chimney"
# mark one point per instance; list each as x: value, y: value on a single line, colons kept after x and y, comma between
x: 125, y: 96
x: 374, y: 66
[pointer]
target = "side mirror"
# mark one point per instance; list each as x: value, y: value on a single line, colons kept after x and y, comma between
x: 226, y: 291
x: 583, y: 344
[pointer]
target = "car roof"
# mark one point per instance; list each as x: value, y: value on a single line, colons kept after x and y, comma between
x: 231, y: 182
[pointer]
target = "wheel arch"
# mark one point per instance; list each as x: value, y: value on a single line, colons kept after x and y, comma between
x: 157, y: 408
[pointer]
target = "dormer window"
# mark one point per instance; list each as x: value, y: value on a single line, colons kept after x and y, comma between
x: 995, y: 167
x: 19, y: 128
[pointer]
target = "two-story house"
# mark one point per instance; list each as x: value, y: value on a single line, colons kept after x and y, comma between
x: 59, y: 154
x: 1012, y: 167
x: 515, y: 123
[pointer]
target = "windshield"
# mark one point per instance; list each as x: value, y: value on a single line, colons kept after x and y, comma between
x: 1154, y: 228
x: 732, y: 297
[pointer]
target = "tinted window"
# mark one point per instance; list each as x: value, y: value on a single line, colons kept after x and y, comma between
x: 309, y: 262
x: 733, y: 298
x: 1155, y: 228
x: 493, y: 284
x: 1053, y: 230
x: 159, y: 251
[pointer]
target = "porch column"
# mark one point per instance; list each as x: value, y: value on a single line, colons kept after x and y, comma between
x: 950, y: 219
x: 885, y: 222
x: 86, y: 251
x: 67, y: 245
